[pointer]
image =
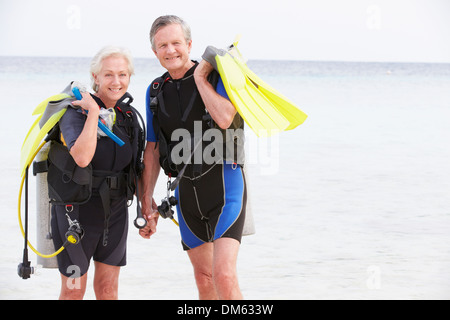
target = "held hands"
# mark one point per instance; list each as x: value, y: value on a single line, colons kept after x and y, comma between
x: 152, y: 216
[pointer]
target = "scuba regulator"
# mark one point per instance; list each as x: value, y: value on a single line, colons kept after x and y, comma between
x: 75, y: 232
x: 165, y: 209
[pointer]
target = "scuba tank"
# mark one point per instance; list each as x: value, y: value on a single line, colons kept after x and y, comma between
x: 43, y: 213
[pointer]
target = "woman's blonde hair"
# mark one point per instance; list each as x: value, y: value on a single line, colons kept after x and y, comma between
x: 106, y: 52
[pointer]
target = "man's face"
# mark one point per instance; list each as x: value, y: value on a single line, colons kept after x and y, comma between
x: 172, y: 50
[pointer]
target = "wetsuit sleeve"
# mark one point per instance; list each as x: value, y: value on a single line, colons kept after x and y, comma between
x: 71, y: 126
x: 220, y: 89
x: 151, y: 136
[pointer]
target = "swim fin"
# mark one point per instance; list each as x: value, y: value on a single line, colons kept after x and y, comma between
x: 39, y: 110
x: 295, y: 116
x: 41, y: 107
x: 256, y: 110
x: 263, y: 108
x: 35, y: 136
x: 49, y: 113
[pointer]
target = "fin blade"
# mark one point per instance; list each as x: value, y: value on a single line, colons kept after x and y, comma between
x: 289, y: 110
x: 259, y: 113
x: 41, y: 106
x: 34, y: 139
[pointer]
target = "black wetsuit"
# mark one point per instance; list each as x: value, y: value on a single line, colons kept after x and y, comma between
x: 110, y: 159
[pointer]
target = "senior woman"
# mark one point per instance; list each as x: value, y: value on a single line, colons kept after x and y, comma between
x: 104, y: 222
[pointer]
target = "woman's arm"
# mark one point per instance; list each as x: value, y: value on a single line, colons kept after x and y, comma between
x: 84, y: 148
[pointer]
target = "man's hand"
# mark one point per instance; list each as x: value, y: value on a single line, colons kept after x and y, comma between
x: 152, y: 216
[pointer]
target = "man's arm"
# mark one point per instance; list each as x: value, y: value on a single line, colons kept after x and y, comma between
x: 221, y: 109
x: 147, y: 187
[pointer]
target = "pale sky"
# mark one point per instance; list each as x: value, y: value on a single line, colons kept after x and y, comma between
x: 337, y: 30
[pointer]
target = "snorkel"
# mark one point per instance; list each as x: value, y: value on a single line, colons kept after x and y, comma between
x: 109, y: 133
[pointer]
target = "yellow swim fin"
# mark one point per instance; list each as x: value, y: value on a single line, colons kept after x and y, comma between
x: 39, y: 131
x: 259, y: 113
x: 34, y: 139
x: 265, y: 110
x: 41, y: 106
x: 291, y: 112
x: 39, y: 110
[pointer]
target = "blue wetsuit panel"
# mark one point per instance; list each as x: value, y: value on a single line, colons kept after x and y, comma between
x: 234, y: 199
x: 214, y: 208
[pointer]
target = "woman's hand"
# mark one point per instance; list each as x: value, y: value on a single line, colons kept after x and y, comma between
x: 87, y: 103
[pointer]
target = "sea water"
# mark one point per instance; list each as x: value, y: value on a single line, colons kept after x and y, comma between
x: 353, y: 204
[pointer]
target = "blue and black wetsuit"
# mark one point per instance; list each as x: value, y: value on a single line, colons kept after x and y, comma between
x: 211, y: 197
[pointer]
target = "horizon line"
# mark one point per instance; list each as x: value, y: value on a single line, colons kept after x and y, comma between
x: 278, y: 60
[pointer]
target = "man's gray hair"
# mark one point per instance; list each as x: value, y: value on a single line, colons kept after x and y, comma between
x: 164, y: 21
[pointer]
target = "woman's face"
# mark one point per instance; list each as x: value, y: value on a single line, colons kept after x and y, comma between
x: 112, y: 80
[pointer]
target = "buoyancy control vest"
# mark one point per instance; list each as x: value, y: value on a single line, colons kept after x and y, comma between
x: 177, y: 104
x: 69, y: 184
